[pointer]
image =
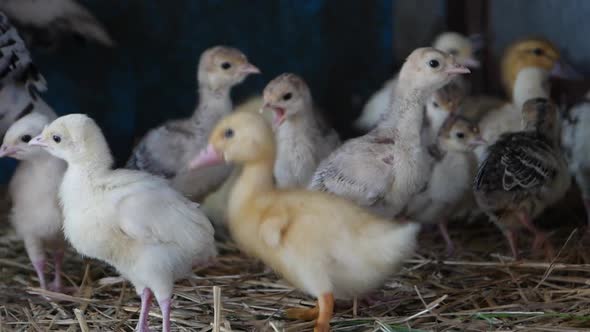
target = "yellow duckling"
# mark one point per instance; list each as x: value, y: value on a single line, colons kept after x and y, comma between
x: 322, y: 244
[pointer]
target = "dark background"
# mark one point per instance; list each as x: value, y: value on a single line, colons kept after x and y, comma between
x: 345, y: 49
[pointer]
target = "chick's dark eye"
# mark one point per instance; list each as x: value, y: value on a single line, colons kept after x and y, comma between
x: 56, y: 139
x: 25, y: 138
x: 229, y: 133
x: 226, y: 65
x: 460, y: 135
x: 538, y: 52
x: 287, y: 96
x: 433, y: 63
x: 435, y: 104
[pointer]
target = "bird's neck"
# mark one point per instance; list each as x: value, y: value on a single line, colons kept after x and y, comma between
x: 213, y: 102
x: 92, y: 163
x: 406, y: 115
x: 255, y: 178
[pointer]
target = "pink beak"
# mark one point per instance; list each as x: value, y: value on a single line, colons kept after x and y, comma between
x: 6, y: 151
x: 457, y: 69
x: 207, y: 157
x: 38, y: 141
x: 280, y: 114
x: 249, y: 69
x: 478, y: 141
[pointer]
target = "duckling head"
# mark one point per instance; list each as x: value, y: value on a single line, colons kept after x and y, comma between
x: 286, y: 96
x: 17, y: 138
x: 75, y: 138
x: 458, y: 46
x: 531, y: 52
x: 459, y: 134
x: 239, y: 138
x: 428, y: 69
x: 222, y: 67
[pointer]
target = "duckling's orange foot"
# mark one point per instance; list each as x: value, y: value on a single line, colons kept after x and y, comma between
x: 307, y: 314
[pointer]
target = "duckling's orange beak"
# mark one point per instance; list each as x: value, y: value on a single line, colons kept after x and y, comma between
x: 206, y: 158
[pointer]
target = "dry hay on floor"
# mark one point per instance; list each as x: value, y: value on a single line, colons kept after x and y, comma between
x: 478, y: 289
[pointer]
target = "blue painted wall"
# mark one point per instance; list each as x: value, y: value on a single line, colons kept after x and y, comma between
x: 342, y: 47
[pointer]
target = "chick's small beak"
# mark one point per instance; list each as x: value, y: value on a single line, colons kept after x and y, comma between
x: 207, y: 157
x: 457, y: 69
x: 38, y: 141
x: 249, y: 68
x: 6, y: 151
x: 477, y: 141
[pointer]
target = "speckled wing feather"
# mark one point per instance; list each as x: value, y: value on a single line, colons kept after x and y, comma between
x: 15, y: 59
x: 517, y: 162
x: 162, y: 151
x: 350, y: 171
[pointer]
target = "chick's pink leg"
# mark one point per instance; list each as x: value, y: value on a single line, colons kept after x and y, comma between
x: 540, y: 237
x: 444, y: 231
x: 512, y: 238
x: 146, y: 302
x: 37, y: 256
x: 165, y: 308
x: 58, y: 257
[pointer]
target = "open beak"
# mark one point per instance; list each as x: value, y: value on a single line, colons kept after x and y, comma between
x: 471, y: 62
x: 249, y: 68
x: 564, y: 70
x: 280, y: 114
x: 6, y: 151
x: 457, y: 69
x: 38, y: 141
x: 207, y: 157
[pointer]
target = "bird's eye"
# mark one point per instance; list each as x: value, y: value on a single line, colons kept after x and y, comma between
x: 229, y: 133
x: 226, y: 65
x: 56, y: 139
x: 538, y: 51
x: 435, y: 104
x: 433, y: 63
x: 453, y: 52
x: 25, y: 138
x: 287, y: 96
x: 460, y: 135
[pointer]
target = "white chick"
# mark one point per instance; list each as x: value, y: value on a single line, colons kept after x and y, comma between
x: 575, y: 140
x: 36, y: 214
x: 451, y: 179
x: 378, y: 105
x: 303, y: 139
x: 386, y: 167
x: 166, y: 150
x: 47, y: 23
x: 132, y: 220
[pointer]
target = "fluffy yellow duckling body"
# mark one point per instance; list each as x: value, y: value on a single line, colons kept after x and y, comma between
x: 322, y: 244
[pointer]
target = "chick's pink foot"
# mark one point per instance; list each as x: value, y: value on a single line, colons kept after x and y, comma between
x: 146, y: 302
x: 40, y: 270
